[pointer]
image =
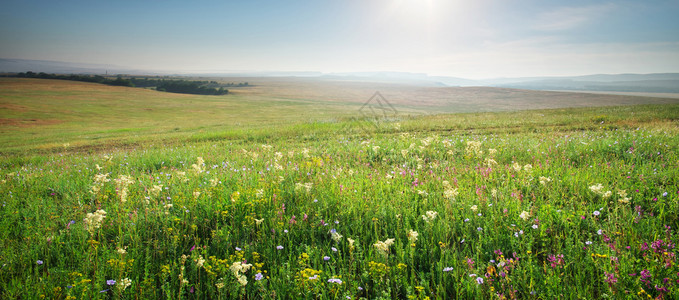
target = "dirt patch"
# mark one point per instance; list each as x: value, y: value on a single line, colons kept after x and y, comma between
x: 27, y: 122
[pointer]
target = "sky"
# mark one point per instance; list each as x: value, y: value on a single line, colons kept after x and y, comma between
x: 471, y: 39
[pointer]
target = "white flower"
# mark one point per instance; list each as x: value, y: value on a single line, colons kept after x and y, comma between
x: 524, y: 215
x: 544, y: 180
x: 450, y: 193
x: 516, y: 167
x: 429, y: 216
x: 383, y: 246
x: 93, y: 220
x: 596, y: 188
x: 124, y: 283
x: 412, y: 236
x: 200, y: 261
x: 474, y: 207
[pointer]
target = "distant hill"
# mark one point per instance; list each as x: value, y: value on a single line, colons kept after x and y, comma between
x: 646, y: 83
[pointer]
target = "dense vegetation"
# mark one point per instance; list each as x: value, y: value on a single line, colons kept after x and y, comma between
x: 119, y: 81
x: 514, y: 205
x: 164, y: 85
x: 188, y: 87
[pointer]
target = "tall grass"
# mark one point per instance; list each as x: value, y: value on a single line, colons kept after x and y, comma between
x: 455, y: 206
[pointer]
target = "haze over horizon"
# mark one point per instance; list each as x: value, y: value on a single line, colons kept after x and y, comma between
x: 476, y: 40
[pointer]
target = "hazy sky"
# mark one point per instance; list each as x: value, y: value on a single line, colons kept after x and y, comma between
x: 470, y: 38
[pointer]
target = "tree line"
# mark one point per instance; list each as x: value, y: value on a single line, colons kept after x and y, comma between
x: 160, y: 84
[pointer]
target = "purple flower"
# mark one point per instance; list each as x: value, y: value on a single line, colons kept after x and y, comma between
x: 238, y: 249
x: 279, y: 247
x: 259, y: 276
x: 610, y: 278
x: 596, y: 213
x: 40, y: 262
x: 479, y: 229
x: 335, y: 280
x: 326, y: 258
x: 479, y: 280
x: 447, y: 269
x: 110, y: 282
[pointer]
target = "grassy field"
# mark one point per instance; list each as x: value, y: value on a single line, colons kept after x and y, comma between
x: 292, y: 198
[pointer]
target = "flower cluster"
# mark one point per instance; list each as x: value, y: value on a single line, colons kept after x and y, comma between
x: 93, y: 220
x: 383, y: 246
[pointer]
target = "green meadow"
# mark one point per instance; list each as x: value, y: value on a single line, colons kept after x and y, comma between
x: 284, y: 191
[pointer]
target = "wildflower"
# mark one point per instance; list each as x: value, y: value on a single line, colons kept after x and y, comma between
x: 447, y: 269
x: 279, y: 247
x: 466, y: 220
x: 474, y: 207
x: 544, y: 180
x: 121, y: 251
x: 596, y: 213
x: 473, y: 148
x: 200, y: 261
x: 588, y: 243
x: 333, y: 249
x: 524, y: 215
x: 528, y: 168
x: 535, y: 226
x: 479, y: 280
x: 259, y: 221
x: 335, y: 236
x: 555, y: 260
x: 596, y: 188
x: 599, y: 232
x: 93, y: 220
x: 198, y: 166
x: 516, y: 167
x: 259, y: 276
x: 383, y: 246
x: 412, y: 236
x: 470, y: 264
x: 110, y: 282
x: 335, y: 280
x: 40, y: 262
x: 429, y: 216
x: 326, y: 258
x: 479, y: 229
x: 450, y: 193
x: 124, y: 284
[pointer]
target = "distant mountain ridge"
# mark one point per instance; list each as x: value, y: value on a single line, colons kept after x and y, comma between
x: 648, y: 83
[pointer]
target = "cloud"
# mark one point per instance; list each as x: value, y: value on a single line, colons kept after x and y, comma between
x: 565, y: 18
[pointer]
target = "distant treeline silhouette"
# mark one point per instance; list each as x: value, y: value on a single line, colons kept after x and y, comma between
x: 86, y: 78
x: 160, y: 84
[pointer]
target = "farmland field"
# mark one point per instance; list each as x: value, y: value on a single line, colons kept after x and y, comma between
x: 278, y: 191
